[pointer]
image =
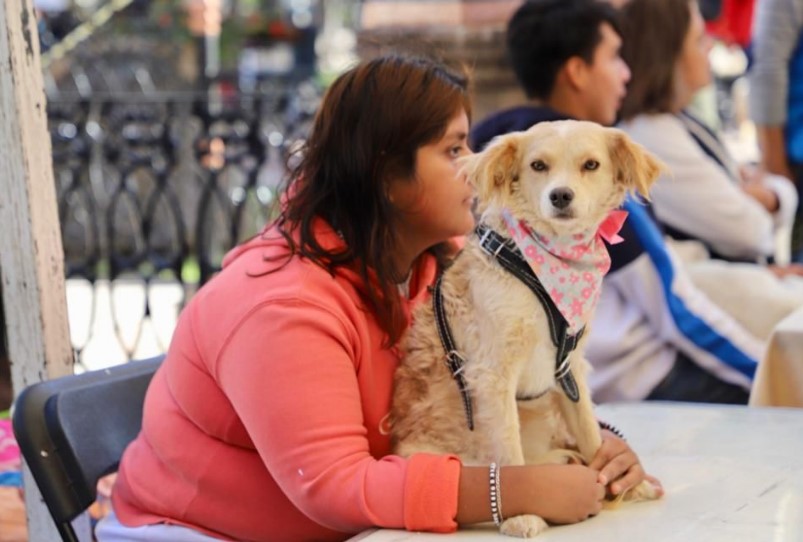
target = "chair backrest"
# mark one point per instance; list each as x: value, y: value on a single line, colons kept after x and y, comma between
x: 73, y: 430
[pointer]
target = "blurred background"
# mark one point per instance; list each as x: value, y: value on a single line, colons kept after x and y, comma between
x: 172, y: 122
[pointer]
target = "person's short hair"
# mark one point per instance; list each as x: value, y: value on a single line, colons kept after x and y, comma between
x: 653, y: 32
x: 543, y: 34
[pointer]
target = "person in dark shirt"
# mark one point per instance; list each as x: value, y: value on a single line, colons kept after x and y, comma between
x: 566, y: 58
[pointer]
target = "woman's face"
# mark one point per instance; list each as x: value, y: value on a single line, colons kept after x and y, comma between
x: 436, y: 205
x: 692, y: 70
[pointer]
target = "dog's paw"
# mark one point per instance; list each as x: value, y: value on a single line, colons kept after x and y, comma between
x: 526, y: 526
x: 645, y: 491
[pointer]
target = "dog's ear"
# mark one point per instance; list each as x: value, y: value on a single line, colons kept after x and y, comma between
x: 635, y: 168
x: 495, y: 166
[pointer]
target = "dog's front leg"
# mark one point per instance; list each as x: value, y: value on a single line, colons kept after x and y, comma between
x: 579, y: 416
x: 583, y: 425
x: 499, y: 416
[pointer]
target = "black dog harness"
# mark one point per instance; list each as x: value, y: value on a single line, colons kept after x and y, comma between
x: 511, y: 259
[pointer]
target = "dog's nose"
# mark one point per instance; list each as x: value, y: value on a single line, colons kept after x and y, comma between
x: 561, y: 197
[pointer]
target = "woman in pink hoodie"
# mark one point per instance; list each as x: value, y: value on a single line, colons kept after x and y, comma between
x: 268, y: 418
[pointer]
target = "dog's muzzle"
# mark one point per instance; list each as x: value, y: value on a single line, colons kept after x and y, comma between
x: 561, y: 198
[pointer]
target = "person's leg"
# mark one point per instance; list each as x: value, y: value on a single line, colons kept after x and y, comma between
x: 689, y: 382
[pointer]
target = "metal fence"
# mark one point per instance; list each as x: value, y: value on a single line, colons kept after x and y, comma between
x: 154, y: 187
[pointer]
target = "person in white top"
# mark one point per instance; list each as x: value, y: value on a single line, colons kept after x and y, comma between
x: 735, y: 212
x: 730, y: 215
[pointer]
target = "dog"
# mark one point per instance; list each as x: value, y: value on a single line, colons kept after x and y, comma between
x: 504, y: 393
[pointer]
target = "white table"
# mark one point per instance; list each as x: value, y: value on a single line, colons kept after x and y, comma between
x: 731, y: 474
x: 779, y: 378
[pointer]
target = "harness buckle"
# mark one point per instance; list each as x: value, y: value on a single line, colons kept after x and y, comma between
x: 563, y: 369
x: 455, y: 361
x: 485, y: 235
x: 487, y: 239
x: 499, y: 248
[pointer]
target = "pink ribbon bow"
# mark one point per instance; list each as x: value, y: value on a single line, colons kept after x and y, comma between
x: 609, y: 229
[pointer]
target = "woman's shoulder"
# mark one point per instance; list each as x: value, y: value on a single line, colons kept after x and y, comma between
x: 248, y: 295
x: 653, y: 125
x: 265, y: 271
x: 663, y: 134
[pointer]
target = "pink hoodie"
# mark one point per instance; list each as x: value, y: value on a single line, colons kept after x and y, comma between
x: 266, y: 420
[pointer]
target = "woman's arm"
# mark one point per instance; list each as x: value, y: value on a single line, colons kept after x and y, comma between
x: 697, y: 196
x: 290, y: 374
x: 776, y: 193
x: 557, y: 493
x: 787, y: 196
x: 776, y: 33
x: 680, y: 314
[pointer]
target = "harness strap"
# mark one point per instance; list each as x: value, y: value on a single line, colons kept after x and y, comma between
x: 454, y: 361
x: 509, y: 257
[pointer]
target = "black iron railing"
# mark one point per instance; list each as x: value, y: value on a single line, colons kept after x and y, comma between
x: 154, y: 188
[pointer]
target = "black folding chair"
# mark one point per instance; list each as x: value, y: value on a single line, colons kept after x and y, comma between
x: 72, y: 431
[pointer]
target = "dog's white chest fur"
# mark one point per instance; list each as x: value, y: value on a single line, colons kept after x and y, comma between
x: 512, y: 324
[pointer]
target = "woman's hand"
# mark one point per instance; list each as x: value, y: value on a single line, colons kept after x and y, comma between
x: 762, y: 194
x: 782, y: 271
x: 618, y: 465
x: 753, y: 185
x: 566, y: 493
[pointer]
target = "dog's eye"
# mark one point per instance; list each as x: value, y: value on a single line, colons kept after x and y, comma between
x: 539, y: 165
x: 591, y: 165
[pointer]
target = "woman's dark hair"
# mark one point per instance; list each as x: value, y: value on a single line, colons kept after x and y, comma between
x: 543, y: 34
x: 653, y: 32
x: 371, y: 123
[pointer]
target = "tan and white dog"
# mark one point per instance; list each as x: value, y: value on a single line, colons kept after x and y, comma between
x: 560, y: 179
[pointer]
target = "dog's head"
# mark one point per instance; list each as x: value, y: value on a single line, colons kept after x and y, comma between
x: 561, y: 177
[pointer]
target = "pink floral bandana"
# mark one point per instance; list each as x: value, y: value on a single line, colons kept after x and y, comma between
x: 570, y: 267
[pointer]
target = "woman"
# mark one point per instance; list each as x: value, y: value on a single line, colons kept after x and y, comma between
x: 266, y: 421
x: 731, y: 214
x: 704, y: 196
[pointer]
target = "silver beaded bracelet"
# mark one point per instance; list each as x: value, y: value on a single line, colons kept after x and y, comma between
x: 496, y: 494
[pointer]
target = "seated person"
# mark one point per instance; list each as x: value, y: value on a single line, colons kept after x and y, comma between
x: 654, y: 335
x: 704, y: 197
x: 735, y: 212
x: 267, y: 419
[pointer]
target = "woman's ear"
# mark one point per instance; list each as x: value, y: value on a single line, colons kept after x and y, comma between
x: 635, y: 168
x: 493, y: 168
